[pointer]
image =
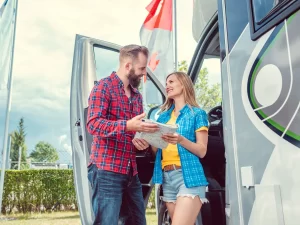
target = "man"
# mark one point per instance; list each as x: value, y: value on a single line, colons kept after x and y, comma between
x: 115, y: 113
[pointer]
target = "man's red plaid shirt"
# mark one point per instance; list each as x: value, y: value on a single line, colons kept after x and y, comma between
x: 109, y: 109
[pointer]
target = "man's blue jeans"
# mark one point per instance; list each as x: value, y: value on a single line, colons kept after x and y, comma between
x: 108, y: 191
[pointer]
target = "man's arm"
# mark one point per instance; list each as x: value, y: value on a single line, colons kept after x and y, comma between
x: 97, y: 124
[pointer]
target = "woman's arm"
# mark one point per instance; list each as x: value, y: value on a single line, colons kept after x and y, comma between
x: 199, y: 148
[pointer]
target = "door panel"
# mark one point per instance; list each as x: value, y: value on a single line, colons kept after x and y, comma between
x: 93, y: 60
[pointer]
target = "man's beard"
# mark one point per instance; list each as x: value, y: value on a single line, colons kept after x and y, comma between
x: 134, y: 79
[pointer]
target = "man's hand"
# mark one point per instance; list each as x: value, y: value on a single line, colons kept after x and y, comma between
x: 136, y: 124
x: 140, y: 144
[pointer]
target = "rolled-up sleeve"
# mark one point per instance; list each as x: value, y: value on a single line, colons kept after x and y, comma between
x: 201, y: 122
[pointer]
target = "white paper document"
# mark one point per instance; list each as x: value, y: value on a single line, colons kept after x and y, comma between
x: 155, y: 139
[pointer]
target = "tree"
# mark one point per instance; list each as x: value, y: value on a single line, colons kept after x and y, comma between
x: 44, y: 152
x: 18, y: 141
x: 207, y: 96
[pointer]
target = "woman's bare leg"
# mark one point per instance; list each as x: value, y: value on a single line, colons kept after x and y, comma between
x: 186, y: 210
x: 171, y: 208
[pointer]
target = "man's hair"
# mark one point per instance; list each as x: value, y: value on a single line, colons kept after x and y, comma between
x: 132, y: 51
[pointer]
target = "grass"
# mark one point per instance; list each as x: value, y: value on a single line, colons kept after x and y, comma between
x: 57, y: 218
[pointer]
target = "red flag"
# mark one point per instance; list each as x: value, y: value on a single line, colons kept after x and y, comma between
x: 157, y: 34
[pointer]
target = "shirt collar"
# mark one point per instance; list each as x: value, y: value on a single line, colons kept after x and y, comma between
x: 185, y: 109
x: 117, y: 81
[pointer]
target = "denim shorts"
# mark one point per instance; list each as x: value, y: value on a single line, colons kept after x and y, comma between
x: 173, y: 187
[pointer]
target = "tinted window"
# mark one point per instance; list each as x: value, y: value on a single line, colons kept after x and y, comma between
x: 261, y: 8
x: 265, y: 14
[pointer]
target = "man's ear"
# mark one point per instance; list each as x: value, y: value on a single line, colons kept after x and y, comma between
x: 128, y: 65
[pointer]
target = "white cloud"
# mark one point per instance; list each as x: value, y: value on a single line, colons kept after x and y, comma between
x: 62, y: 138
x: 68, y: 148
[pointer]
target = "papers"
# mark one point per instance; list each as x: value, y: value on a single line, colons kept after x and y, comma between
x: 155, y: 139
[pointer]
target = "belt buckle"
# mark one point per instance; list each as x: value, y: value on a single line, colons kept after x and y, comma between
x: 174, y: 166
x: 166, y: 169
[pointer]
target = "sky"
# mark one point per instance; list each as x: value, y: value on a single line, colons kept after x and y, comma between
x: 43, y: 56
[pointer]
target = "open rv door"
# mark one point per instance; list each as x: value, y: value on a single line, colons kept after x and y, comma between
x: 93, y: 60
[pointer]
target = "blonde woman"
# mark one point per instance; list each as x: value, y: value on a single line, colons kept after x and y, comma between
x: 177, y: 167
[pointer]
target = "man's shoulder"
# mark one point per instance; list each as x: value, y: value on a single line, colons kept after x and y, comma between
x: 103, y: 83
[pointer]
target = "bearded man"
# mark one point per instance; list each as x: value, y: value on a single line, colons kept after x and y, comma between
x: 115, y: 113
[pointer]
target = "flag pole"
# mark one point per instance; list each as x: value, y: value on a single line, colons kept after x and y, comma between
x: 10, y: 81
x: 175, y: 34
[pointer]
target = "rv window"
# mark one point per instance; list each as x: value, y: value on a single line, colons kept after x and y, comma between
x: 265, y: 14
x: 106, y: 61
x: 262, y: 8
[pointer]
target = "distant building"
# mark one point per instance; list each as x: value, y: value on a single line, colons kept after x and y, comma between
x: 47, y: 165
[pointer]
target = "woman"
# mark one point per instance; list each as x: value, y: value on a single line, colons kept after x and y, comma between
x: 177, y: 167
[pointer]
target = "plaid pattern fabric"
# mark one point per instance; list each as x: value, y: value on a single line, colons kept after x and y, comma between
x: 189, y: 120
x: 109, y: 108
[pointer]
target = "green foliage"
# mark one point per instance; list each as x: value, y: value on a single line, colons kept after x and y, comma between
x: 207, y: 96
x: 183, y: 66
x: 44, y: 152
x: 151, y: 200
x: 29, y: 191
x: 35, y: 190
x: 18, y: 141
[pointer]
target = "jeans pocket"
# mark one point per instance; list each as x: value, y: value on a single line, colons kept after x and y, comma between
x: 91, y: 171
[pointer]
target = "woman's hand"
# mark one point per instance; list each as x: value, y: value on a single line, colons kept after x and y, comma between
x: 172, y: 138
x: 140, y: 144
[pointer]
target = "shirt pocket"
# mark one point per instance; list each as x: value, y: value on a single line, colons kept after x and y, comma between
x: 137, y: 107
x: 187, y: 127
x: 115, y: 109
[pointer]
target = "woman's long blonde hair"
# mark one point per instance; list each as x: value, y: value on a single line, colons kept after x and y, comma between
x: 188, y: 91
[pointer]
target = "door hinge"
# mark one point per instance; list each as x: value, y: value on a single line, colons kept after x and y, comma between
x: 77, y: 124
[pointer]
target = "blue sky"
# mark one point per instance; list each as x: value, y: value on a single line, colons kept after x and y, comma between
x: 43, y: 58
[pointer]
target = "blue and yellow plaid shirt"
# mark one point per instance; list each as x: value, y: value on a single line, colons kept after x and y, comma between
x: 189, y: 120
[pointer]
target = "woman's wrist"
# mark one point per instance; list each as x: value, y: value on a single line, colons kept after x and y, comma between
x: 180, y: 139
